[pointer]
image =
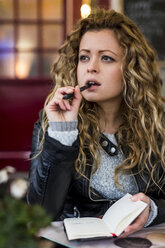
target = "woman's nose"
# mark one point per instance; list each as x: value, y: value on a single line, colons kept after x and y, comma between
x: 93, y: 66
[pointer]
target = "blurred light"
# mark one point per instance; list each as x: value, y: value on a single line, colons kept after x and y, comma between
x: 85, y: 10
x: 21, y: 69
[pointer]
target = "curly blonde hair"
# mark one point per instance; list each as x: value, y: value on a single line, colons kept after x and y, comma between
x: 142, y: 130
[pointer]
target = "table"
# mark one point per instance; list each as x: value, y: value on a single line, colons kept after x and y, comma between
x: 56, y: 233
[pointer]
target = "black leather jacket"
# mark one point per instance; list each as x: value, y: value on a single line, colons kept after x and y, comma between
x: 55, y: 185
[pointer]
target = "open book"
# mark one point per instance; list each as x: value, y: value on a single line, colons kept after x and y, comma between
x: 115, y: 220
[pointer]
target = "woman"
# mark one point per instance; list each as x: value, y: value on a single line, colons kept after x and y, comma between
x: 109, y: 139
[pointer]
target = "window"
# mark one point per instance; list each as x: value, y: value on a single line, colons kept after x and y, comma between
x: 31, y: 31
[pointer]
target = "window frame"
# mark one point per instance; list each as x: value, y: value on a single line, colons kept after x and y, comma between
x: 39, y: 50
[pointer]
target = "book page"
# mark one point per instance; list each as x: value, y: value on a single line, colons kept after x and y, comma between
x: 122, y: 213
x: 86, y: 227
x: 128, y: 220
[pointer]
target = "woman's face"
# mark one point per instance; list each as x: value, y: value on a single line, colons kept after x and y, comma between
x: 100, y: 61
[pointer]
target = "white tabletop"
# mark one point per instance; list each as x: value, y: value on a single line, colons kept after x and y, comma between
x: 56, y: 233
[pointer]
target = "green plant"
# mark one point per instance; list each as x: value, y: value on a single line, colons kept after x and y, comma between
x: 19, y: 222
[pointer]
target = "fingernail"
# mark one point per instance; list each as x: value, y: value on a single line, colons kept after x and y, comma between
x: 134, y: 198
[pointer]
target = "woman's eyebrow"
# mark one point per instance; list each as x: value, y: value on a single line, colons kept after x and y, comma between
x: 107, y: 50
x: 84, y: 50
x: 100, y: 51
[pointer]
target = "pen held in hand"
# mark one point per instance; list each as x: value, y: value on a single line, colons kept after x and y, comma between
x: 70, y: 95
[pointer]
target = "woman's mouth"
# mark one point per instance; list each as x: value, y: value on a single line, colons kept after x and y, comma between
x: 92, y: 84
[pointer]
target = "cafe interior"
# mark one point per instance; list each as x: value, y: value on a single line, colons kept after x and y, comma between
x: 31, y: 32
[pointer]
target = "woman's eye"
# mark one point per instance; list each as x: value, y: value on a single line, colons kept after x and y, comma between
x: 107, y: 58
x: 83, y: 58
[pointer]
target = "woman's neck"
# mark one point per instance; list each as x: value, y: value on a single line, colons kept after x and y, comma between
x: 110, y: 119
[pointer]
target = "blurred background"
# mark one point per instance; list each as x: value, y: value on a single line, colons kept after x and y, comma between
x: 31, y: 31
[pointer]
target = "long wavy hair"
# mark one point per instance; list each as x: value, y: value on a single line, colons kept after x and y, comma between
x: 142, y: 130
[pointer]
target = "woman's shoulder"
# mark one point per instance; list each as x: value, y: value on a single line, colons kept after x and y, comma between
x: 38, y: 123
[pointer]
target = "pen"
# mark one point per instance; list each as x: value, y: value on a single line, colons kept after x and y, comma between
x: 70, y: 95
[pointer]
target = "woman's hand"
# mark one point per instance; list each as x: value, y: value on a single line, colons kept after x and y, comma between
x: 141, y: 220
x: 59, y: 109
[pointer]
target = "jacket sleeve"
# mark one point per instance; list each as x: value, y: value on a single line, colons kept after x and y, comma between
x: 158, y: 196
x: 50, y: 172
x: 160, y: 218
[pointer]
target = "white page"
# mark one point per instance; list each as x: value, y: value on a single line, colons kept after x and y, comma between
x: 86, y: 227
x: 120, y: 211
x: 128, y: 220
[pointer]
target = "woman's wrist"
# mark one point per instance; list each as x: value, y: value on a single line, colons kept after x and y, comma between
x: 65, y: 132
x: 63, y: 126
x: 152, y: 214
